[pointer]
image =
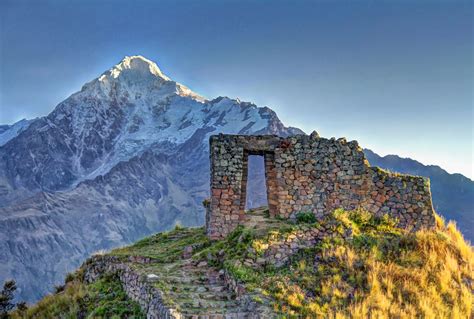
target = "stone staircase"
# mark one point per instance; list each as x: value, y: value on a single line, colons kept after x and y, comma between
x: 180, y: 286
x: 199, y: 291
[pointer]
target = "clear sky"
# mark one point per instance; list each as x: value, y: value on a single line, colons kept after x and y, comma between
x: 395, y: 75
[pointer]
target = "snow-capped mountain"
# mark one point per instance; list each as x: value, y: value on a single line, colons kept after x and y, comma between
x: 125, y: 156
x: 113, y: 118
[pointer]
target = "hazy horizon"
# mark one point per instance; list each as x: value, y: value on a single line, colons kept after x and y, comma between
x: 396, y: 76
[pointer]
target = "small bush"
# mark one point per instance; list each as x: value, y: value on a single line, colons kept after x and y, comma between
x: 69, y: 277
x: 58, y: 289
x: 6, y: 298
x: 266, y: 213
x: 206, y: 203
x: 22, y: 306
x: 305, y: 217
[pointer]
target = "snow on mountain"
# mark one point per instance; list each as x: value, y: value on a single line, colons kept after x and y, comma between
x: 7, y: 132
x: 114, y: 117
x: 137, y: 79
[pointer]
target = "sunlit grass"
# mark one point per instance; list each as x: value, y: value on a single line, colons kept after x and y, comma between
x: 394, y: 274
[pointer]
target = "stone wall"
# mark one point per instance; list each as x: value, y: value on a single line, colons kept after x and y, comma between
x: 135, y: 286
x: 309, y: 174
x: 140, y: 289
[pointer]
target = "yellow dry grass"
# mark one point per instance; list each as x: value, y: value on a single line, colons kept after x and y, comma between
x: 431, y: 279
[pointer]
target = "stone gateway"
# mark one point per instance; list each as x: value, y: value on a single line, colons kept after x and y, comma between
x: 309, y: 174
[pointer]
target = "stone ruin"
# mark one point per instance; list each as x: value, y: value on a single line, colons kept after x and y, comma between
x: 309, y: 174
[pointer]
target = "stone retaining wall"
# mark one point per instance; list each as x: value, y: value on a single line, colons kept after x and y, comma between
x: 150, y: 299
x: 278, y: 250
x: 135, y: 286
x: 309, y: 174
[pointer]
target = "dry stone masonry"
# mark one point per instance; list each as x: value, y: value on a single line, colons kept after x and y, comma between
x: 309, y: 174
x: 139, y: 286
x: 135, y: 285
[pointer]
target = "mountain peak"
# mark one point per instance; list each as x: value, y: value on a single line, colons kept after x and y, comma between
x: 135, y: 64
x: 136, y: 77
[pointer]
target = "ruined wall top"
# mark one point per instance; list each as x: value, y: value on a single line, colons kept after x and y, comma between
x: 311, y: 174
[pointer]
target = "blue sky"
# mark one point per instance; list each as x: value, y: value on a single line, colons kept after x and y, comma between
x: 395, y: 75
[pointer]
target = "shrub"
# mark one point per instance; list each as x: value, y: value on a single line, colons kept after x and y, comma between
x: 69, y: 277
x: 206, y: 203
x: 6, y: 298
x: 305, y: 217
x: 22, y: 306
x: 58, y: 289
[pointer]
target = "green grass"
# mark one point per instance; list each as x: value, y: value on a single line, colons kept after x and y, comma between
x: 165, y: 247
x: 104, y: 298
x: 306, y: 217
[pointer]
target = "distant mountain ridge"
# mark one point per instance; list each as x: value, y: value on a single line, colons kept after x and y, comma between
x: 125, y: 157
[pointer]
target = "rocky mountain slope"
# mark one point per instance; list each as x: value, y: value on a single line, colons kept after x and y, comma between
x: 124, y: 157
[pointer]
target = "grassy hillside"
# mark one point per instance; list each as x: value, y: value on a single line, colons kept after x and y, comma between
x: 381, y: 271
x: 104, y: 298
x: 378, y: 271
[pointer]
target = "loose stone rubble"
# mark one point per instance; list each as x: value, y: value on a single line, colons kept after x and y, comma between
x: 309, y: 174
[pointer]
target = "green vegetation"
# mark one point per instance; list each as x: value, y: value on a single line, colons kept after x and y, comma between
x: 369, y: 269
x: 380, y: 271
x: 166, y: 247
x: 104, y: 298
x: 306, y: 217
x: 6, y: 298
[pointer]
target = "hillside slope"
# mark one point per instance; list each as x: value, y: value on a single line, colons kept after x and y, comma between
x: 355, y: 265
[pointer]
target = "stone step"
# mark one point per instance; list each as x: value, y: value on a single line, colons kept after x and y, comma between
x: 200, y: 292
x: 206, y: 294
x: 222, y: 313
x: 202, y: 305
x: 209, y: 287
x: 200, y: 296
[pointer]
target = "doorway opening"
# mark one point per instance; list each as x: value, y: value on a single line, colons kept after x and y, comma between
x: 256, y: 188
